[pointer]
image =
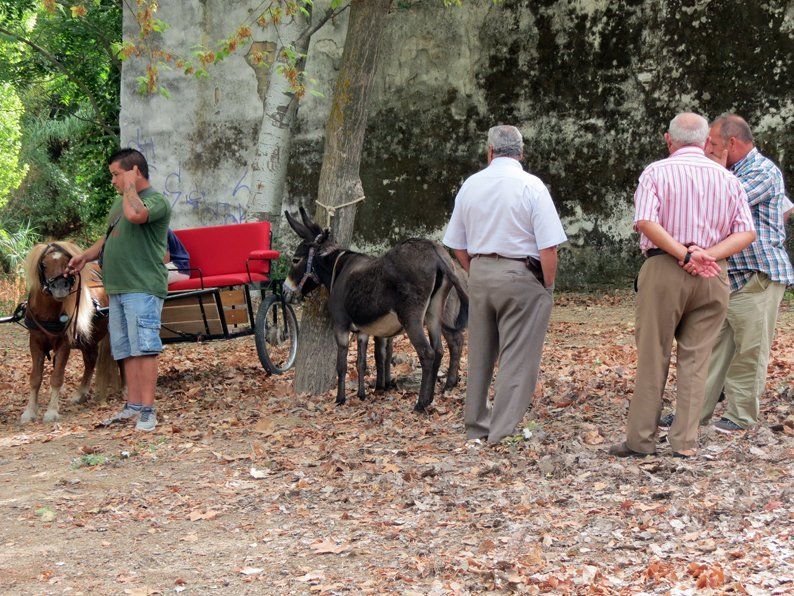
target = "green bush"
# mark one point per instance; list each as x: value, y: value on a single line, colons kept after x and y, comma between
x: 15, y: 246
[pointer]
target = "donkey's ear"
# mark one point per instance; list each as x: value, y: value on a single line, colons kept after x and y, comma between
x: 300, y: 229
x: 309, y: 223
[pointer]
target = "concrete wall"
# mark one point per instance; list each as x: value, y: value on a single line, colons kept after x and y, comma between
x: 592, y: 85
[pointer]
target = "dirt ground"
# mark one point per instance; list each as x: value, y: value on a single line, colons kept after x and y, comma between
x: 245, y: 488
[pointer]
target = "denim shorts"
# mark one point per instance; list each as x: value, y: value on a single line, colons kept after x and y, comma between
x: 135, y: 325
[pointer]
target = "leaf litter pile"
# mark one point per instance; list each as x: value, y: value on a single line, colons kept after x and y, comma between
x: 247, y: 488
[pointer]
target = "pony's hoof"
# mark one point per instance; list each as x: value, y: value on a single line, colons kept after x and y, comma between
x: 340, y: 401
x: 27, y: 417
x: 420, y: 408
x: 51, y: 416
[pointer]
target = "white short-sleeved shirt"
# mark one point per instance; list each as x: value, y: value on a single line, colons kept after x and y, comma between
x: 504, y: 210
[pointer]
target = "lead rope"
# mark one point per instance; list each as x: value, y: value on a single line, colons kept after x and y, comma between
x: 330, y: 210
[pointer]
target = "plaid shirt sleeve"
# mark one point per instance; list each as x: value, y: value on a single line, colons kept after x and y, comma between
x: 760, y: 184
x: 646, y: 200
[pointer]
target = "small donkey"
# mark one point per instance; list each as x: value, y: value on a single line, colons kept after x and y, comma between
x: 405, y: 289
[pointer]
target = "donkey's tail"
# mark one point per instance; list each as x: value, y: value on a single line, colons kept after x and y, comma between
x: 446, y: 266
x: 108, y: 379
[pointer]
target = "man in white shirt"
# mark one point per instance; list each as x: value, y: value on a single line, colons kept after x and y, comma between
x: 505, y: 231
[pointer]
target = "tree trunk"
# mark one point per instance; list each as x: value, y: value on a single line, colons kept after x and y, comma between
x: 269, y: 168
x: 339, y: 179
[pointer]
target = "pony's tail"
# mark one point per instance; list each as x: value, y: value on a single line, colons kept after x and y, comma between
x: 108, y: 379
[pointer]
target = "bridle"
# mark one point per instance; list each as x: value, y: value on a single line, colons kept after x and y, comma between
x: 309, y: 273
x: 43, y: 279
x: 57, y: 330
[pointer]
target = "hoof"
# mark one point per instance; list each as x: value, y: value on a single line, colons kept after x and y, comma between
x: 449, y: 385
x: 340, y: 401
x: 362, y: 396
x: 78, y: 398
x: 27, y: 417
x: 420, y: 408
x: 51, y: 416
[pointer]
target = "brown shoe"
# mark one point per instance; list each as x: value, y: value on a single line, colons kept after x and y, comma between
x: 622, y: 450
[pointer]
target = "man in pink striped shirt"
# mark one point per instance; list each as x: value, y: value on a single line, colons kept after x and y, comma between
x: 691, y: 214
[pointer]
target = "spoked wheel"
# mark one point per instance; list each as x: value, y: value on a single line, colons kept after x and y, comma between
x: 276, y: 335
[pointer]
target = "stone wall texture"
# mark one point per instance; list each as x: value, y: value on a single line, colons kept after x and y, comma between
x: 591, y: 84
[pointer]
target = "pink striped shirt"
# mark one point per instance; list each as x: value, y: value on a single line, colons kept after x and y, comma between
x: 696, y: 200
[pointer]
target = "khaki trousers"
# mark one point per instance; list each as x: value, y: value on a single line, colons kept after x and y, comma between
x: 741, y: 354
x: 673, y: 304
x: 509, y: 313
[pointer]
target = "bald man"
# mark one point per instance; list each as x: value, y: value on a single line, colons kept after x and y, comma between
x: 691, y: 214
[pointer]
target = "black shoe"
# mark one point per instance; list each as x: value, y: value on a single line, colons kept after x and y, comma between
x: 728, y: 427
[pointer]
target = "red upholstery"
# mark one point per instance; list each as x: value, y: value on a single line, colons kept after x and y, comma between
x: 221, y: 253
x: 216, y: 281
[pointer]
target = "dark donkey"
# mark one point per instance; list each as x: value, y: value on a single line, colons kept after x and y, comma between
x: 405, y: 289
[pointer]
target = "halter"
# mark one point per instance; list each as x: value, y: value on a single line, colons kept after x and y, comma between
x: 309, y: 273
x: 43, y: 279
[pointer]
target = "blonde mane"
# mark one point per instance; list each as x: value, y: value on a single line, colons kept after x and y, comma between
x: 85, y: 314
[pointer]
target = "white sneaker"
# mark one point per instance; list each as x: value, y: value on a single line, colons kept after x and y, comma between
x: 147, y: 421
x: 126, y: 414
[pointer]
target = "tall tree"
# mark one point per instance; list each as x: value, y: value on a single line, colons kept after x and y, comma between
x: 340, y: 183
x: 280, y: 95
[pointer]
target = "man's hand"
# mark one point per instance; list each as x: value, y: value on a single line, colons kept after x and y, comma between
x: 76, y: 263
x: 721, y: 157
x: 130, y: 177
x: 701, y: 263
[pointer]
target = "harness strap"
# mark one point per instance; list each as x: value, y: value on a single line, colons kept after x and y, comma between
x: 333, y: 273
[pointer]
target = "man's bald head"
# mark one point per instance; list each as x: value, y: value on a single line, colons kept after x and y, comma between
x: 688, y: 129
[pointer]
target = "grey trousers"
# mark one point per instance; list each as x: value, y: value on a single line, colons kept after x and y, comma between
x: 509, y: 313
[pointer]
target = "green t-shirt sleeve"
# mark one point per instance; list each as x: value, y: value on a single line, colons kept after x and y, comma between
x: 157, y: 206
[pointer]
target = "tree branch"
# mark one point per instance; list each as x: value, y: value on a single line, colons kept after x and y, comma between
x: 312, y: 29
x: 65, y: 70
x: 103, y: 39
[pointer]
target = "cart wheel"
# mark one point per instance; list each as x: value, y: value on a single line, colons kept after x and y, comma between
x: 276, y: 334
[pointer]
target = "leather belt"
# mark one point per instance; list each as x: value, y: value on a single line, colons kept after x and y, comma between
x: 493, y: 255
x: 654, y: 252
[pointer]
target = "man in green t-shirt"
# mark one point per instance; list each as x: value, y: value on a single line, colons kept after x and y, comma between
x: 135, y: 279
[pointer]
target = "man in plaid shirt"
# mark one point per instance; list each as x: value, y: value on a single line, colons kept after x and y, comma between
x: 758, y: 276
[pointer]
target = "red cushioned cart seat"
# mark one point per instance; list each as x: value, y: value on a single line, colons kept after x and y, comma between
x: 224, y: 255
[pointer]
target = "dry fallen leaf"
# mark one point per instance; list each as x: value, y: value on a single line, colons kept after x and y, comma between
x: 199, y: 515
x: 329, y: 547
x: 250, y: 570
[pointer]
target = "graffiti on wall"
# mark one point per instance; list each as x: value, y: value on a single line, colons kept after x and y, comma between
x: 230, y: 205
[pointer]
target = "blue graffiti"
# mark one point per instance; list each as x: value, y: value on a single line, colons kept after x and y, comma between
x: 204, y: 208
x: 197, y: 201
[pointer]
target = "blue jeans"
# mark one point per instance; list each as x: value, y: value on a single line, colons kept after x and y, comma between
x: 135, y: 325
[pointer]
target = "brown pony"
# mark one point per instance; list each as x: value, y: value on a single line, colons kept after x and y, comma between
x: 61, y: 315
